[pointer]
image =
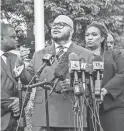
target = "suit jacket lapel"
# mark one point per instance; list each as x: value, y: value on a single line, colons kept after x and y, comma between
x: 72, y: 48
x: 7, y: 70
x: 4, y: 65
x: 53, y: 50
x: 12, y: 59
x: 106, y: 54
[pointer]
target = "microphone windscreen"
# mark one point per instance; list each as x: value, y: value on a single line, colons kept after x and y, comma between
x: 82, y: 60
x: 74, y: 63
x: 62, y: 69
x: 98, y: 58
x: 83, y: 64
x: 98, y: 63
x: 73, y: 57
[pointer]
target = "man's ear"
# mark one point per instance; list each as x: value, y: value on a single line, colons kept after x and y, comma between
x: 71, y: 32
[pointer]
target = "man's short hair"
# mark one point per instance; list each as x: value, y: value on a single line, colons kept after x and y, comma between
x: 65, y: 19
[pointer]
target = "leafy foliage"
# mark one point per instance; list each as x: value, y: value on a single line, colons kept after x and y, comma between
x: 19, y: 13
x: 83, y: 12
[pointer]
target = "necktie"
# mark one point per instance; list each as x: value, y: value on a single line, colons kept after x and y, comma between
x: 60, y: 52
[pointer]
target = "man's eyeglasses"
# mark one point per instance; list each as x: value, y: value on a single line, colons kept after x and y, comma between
x: 59, y: 25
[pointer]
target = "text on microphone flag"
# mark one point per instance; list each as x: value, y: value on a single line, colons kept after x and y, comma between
x: 98, y: 65
x: 83, y: 66
x: 49, y: 59
x: 74, y: 66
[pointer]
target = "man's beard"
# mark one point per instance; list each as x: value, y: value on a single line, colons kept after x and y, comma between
x: 64, y: 37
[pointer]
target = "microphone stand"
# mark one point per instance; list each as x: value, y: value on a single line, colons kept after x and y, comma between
x: 79, y: 101
x: 47, y: 109
x: 22, y: 121
x: 95, y: 101
x: 46, y: 104
x: 46, y: 101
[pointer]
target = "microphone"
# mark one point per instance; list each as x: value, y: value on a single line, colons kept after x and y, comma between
x: 44, y: 85
x: 60, y: 71
x: 48, y: 59
x: 59, y: 74
x: 98, y: 67
x: 74, y: 69
x: 83, y: 67
x: 91, y: 83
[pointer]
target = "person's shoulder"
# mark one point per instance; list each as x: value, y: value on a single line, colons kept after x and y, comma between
x: 82, y: 49
x: 116, y: 53
x: 43, y: 51
x: 79, y: 47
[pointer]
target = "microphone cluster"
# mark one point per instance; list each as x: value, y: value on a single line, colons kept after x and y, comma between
x: 59, y: 73
x: 74, y: 71
x: 79, y: 69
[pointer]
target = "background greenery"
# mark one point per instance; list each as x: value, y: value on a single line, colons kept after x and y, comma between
x: 83, y: 12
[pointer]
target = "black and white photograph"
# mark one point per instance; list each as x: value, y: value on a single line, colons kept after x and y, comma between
x: 62, y: 65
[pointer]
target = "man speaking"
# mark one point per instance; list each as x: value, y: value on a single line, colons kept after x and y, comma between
x: 60, y: 107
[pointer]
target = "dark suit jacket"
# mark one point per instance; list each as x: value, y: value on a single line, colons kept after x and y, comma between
x: 8, y: 85
x: 8, y: 89
x: 113, y: 80
x: 60, y: 107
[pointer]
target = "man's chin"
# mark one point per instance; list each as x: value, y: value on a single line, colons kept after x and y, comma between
x: 56, y: 36
x: 56, y: 39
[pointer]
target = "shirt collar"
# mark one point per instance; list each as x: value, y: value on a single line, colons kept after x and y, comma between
x: 67, y: 45
x: 1, y: 52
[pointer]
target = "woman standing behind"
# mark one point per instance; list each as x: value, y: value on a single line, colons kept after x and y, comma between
x: 112, y: 107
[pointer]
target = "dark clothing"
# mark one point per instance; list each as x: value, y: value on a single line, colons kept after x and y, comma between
x: 55, y: 129
x: 112, y: 108
x: 60, y: 105
x: 113, y: 120
x: 13, y: 125
x: 8, y: 89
